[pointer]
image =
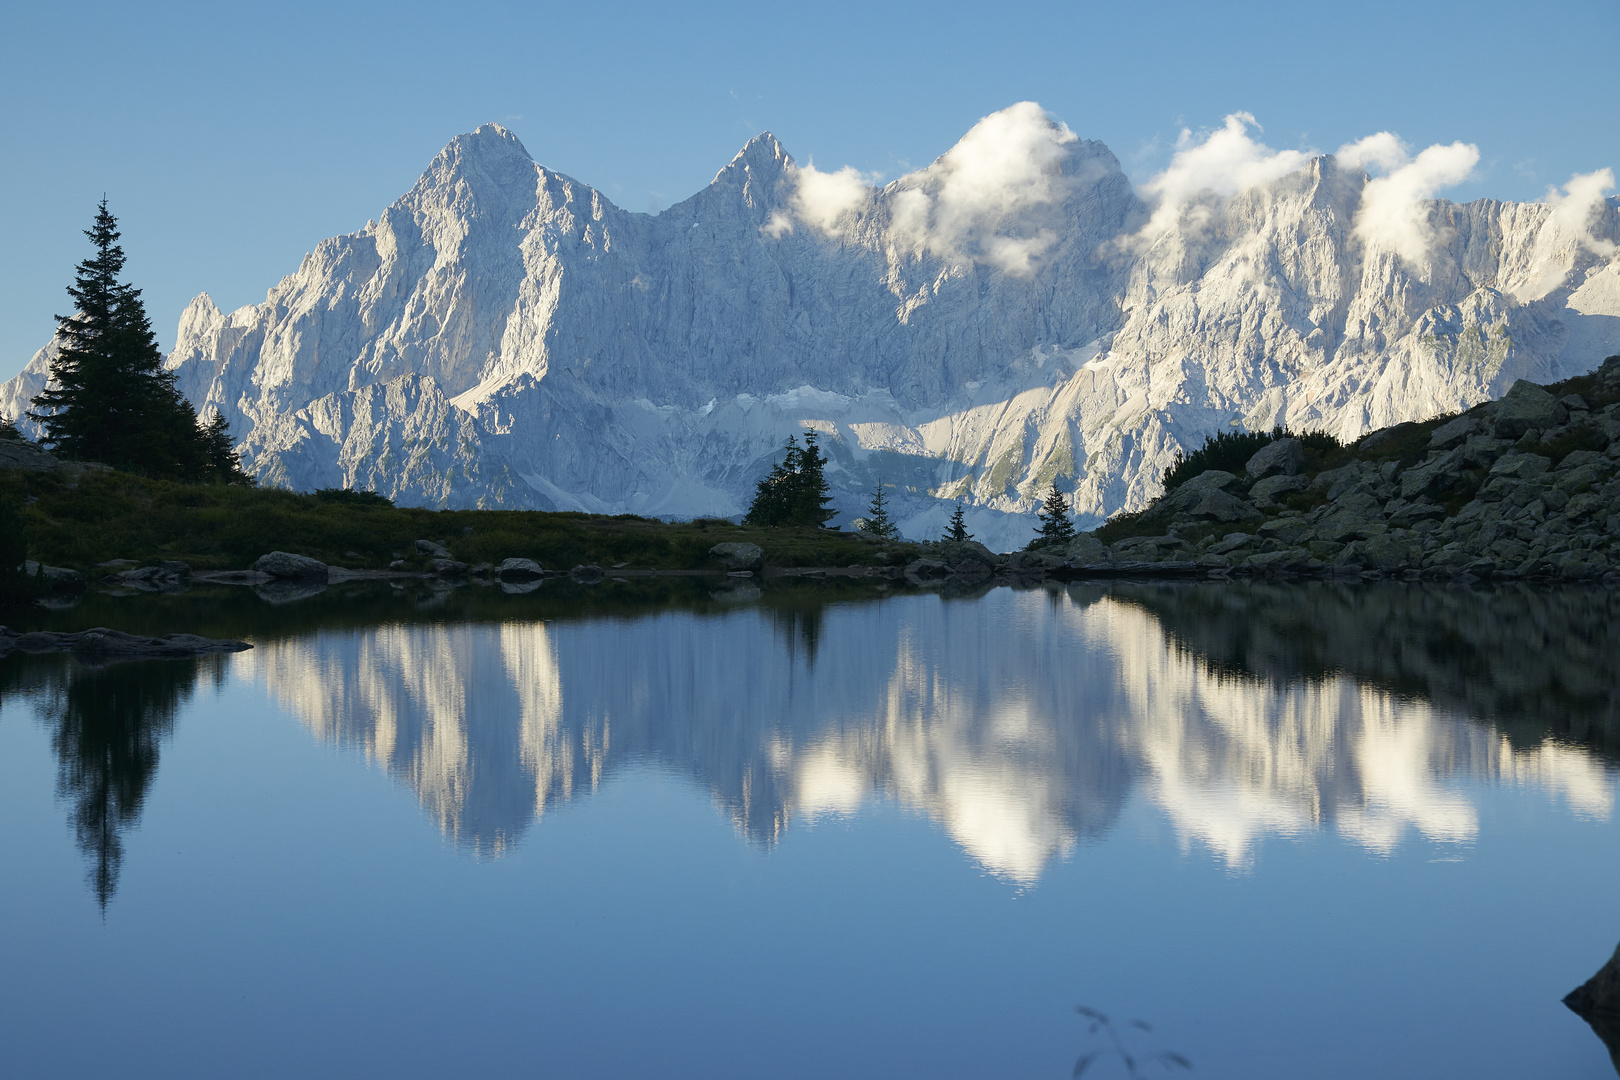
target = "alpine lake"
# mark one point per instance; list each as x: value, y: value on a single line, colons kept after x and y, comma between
x: 719, y: 827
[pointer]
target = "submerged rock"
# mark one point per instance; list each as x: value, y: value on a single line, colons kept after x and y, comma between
x: 114, y: 644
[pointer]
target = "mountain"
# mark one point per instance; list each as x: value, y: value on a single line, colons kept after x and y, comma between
x: 505, y: 336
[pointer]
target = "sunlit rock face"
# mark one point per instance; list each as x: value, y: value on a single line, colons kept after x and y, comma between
x: 1020, y: 723
x: 503, y: 335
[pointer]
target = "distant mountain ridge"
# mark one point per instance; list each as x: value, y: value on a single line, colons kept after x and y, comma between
x: 504, y: 335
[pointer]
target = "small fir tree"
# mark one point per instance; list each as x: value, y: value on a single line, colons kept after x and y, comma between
x: 1056, y: 528
x: 772, y: 503
x: 109, y: 398
x: 877, y: 516
x: 8, y: 428
x: 956, y: 531
x: 220, y: 459
x: 811, y: 493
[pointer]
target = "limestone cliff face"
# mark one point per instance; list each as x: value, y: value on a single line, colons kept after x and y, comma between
x: 504, y: 335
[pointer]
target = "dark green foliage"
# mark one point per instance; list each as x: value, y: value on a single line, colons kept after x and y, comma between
x: 220, y: 461
x: 13, y: 552
x: 877, y: 521
x: 351, y: 497
x: 1230, y: 451
x: 1056, y: 526
x: 217, y: 526
x: 8, y: 428
x: 109, y: 398
x: 957, y: 529
x: 793, y: 492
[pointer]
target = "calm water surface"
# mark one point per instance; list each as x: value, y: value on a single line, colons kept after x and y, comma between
x: 1312, y: 831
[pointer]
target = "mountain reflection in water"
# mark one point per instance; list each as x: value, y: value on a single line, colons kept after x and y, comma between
x: 1020, y: 721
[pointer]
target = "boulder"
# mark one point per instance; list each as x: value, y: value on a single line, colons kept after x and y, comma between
x: 1523, y: 408
x: 1456, y: 432
x: 284, y: 564
x: 1282, y: 456
x: 962, y: 554
x: 1268, y: 491
x: 932, y: 569
x: 739, y: 556
x: 1216, y: 505
x: 56, y: 578
x: 103, y: 643
x: 26, y: 456
x: 1521, y: 466
x: 589, y: 574
x: 1285, y: 530
x: 1383, y: 439
x: 1088, y: 550
x: 518, y: 570
x: 448, y: 567
x: 437, y: 551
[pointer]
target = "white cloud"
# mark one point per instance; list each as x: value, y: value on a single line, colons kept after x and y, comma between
x: 1223, y: 163
x: 1581, y: 201
x: 1385, y: 151
x: 1394, y: 215
x: 984, y: 201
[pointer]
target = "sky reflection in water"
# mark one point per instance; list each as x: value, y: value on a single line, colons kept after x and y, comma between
x: 1310, y: 831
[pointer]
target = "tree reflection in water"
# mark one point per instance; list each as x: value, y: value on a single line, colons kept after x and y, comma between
x: 107, y: 727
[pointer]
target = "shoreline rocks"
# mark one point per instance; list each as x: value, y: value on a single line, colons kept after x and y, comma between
x: 1525, y: 487
x: 102, y: 643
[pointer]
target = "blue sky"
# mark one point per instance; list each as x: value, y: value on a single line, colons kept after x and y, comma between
x: 230, y: 139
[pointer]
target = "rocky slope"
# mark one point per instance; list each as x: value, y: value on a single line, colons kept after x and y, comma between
x: 1524, y: 487
x: 503, y: 335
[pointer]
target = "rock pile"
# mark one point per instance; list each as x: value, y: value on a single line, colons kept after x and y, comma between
x: 101, y: 642
x: 1524, y: 487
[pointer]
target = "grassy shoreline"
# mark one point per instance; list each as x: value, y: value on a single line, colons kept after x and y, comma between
x: 84, y: 519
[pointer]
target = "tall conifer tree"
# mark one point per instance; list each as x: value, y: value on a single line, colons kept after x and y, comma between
x: 109, y: 398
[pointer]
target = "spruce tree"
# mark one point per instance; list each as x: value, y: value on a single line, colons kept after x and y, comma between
x: 1056, y: 528
x: 794, y: 492
x: 109, y: 398
x: 221, y: 463
x: 773, y: 495
x: 956, y: 531
x: 810, y: 493
x: 877, y: 516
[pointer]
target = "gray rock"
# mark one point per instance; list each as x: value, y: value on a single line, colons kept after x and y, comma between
x: 1087, y: 549
x: 739, y: 556
x: 114, y: 644
x: 437, y: 551
x: 1217, y: 505
x: 1285, y: 530
x: 518, y: 587
x: 26, y: 456
x: 962, y: 554
x: 1389, y: 552
x: 590, y: 573
x: 1521, y: 466
x: 449, y: 567
x: 56, y: 578
x: 283, y: 564
x: 1525, y: 407
x: 518, y: 570
x: 1284, y: 456
x: 935, y: 570
x: 1230, y: 542
x: 1456, y: 432
x: 1267, y: 492
x: 1382, y: 439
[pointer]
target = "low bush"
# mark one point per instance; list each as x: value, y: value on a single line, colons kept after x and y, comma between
x: 1230, y: 451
